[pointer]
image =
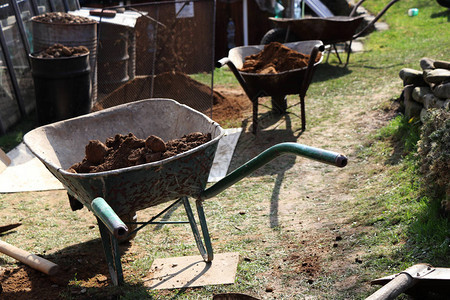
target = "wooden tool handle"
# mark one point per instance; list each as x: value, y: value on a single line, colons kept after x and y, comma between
x: 34, y: 261
x: 395, y: 287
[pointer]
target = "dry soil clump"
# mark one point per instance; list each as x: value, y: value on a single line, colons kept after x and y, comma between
x: 62, y: 18
x: 59, y: 50
x: 123, y: 151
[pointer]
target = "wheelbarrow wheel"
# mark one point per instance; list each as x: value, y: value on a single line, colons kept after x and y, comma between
x: 129, y: 220
x: 278, y: 35
x: 444, y: 3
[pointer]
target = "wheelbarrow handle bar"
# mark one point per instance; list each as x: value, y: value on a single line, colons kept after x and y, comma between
x: 381, y: 13
x: 265, y: 157
x: 355, y: 8
x: 222, y: 62
x: 309, y: 70
x: 106, y: 214
x: 226, y: 61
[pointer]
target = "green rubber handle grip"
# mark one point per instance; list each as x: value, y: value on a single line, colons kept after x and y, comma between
x: 107, y: 215
x: 325, y: 156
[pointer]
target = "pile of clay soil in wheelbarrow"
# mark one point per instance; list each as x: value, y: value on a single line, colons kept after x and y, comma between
x: 122, y: 151
x: 275, y: 58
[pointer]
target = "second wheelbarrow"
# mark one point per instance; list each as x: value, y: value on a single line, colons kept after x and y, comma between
x: 275, y: 85
x: 330, y: 30
x: 117, y: 192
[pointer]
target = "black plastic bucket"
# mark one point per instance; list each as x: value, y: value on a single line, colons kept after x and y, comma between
x: 62, y: 87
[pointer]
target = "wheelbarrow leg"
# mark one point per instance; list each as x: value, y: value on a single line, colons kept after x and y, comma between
x: 307, y: 80
x: 349, y: 51
x: 207, y: 253
x: 337, y: 53
x: 288, y: 31
x: 328, y: 55
x: 255, y: 115
x: 303, y: 113
x: 111, y: 248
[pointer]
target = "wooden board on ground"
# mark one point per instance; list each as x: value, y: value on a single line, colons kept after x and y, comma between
x: 192, y: 271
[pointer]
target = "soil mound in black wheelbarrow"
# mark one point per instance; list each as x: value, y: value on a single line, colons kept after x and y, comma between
x: 276, y: 58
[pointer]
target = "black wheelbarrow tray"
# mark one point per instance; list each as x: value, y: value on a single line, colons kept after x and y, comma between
x: 330, y: 30
x: 275, y: 85
x: 117, y: 192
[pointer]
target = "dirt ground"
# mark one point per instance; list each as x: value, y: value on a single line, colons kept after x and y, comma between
x: 320, y: 239
x: 26, y: 283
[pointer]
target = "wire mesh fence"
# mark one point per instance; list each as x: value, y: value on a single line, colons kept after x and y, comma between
x: 145, y: 50
x: 157, y: 50
x: 17, y: 96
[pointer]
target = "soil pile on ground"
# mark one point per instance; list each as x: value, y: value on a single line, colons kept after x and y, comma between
x: 62, y: 18
x: 123, y: 151
x: 173, y: 85
x: 275, y: 58
x: 59, y: 50
x: 182, y: 88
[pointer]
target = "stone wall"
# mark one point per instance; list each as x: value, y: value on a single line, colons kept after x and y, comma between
x: 427, y: 88
x: 426, y: 95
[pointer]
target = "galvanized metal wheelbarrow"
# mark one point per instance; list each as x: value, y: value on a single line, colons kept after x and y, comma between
x: 118, y: 192
x: 277, y: 86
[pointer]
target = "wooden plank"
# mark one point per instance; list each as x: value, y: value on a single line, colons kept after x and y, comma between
x: 192, y: 271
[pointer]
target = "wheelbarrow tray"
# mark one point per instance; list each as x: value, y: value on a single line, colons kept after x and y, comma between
x: 330, y: 30
x: 278, y: 84
x: 62, y: 144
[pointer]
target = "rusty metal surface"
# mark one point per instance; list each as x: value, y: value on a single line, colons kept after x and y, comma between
x: 329, y: 30
x: 61, y: 144
x: 279, y: 84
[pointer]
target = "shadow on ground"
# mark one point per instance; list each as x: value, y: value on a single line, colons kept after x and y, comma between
x: 80, y: 263
x: 326, y: 71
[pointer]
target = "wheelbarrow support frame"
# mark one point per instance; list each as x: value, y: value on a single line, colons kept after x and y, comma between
x: 112, y: 228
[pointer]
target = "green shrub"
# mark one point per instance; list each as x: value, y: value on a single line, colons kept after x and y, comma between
x: 434, y: 151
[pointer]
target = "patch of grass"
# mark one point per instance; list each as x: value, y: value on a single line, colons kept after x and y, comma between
x: 14, y: 136
x: 407, y: 225
x: 205, y: 78
x: 224, y: 76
